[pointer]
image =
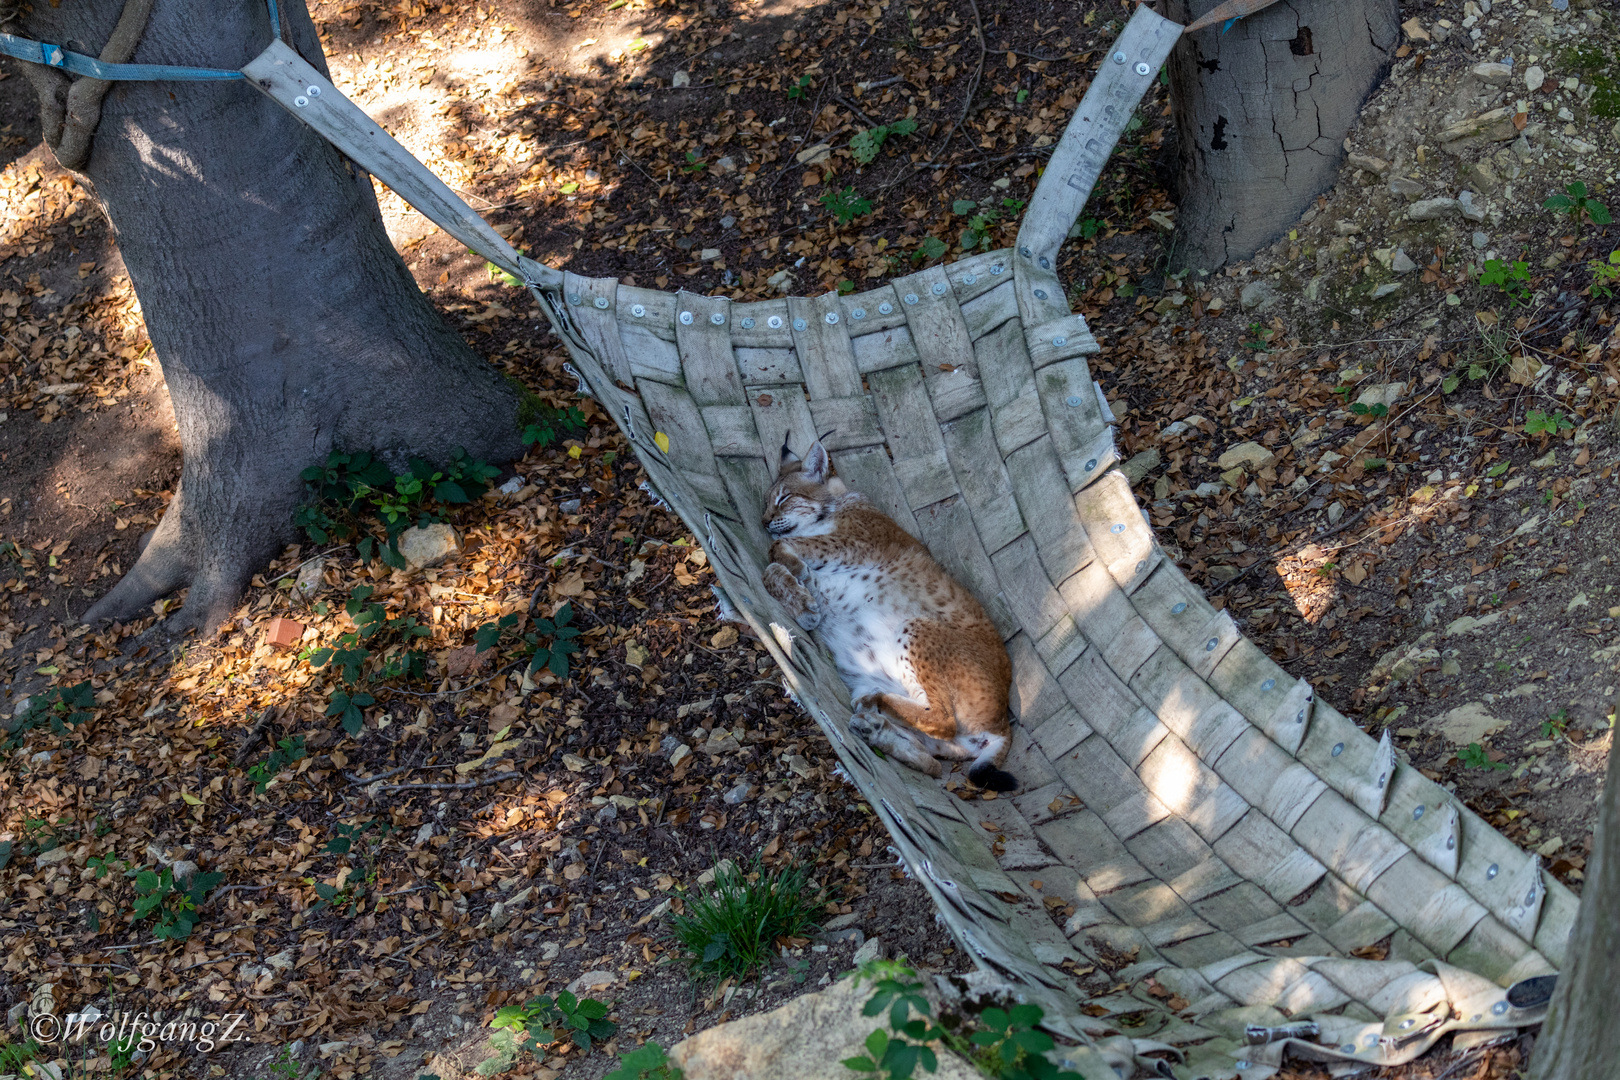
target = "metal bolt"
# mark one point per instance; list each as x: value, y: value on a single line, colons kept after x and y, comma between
x: 1179, y: 608
x: 939, y: 288
x: 1024, y: 251
x: 1040, y: 294
x: 1092, y: 464
x: 1269, y: 684
x: 574, y: 298
x: 1119, y: 58
x: 858, y: 314
x: 799, y: 324
x: 1491, y: 871
x: 1143, y: 69
x: 1338, y: 748
x: 832, y: 318
x: 1299, y: 717
x: 885, y: 308
x: 968, y: 279
x: 300, y: 101
x: 1117, y: 528
x: 1060, y: 341
x: 1242, y: 1064
x: 313, y: 91
x: 911, y: 298
x: 1382, y: 779
x: 748, y: 322
x: 1046, y: 264
x: 717, y: 319
x: 774, y: 322
x: 602, y: 302
x: 1451, y: 843
x: 638, y: 310
x: 1407, y: 1023
x: 996, y: 269
x: 1072, y: 401
x: 1499, y: 1008
x: 1209, y: 646
x: 1348, y: 1048
x: 686, y: 318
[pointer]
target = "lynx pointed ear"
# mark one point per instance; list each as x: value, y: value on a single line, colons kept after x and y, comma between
x: 816, y: 463
x: 789, y: 459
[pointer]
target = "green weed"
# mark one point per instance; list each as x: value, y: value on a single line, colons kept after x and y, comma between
x: 732, y: 929
x: 547, y: 642
x: 544, y: 1021
x: 1513, y: 279
x: 1577, y: 204
x: 801, y: 89
x: 646, y: 1062
x: 931, y: 248
x: 1537, y: 422
x: 866, y: 144
x: 1604, y: 276
x: 173, y: 904
x: 846, y: 205
x: 1474, y: 756
x: 58, y: 709
x: 552, y: 424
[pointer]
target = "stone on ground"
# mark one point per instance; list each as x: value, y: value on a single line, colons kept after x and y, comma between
x: 1248, y: 455
x: 1138, y: 467
x: 428, y: 545
x: 1469, y: 723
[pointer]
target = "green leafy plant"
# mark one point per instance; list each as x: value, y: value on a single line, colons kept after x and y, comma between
x: 694, y: 164
x: 649, y: 1061
x: 1513, y: 279
x: 1474, y: 756
x: 352, y: 494
x: 1260, y: 340
x: 57, y: 709
x: 1576, y: 203
x: 1537, y: 422
x: 800, y: 90
x: 552, y: 424
x: 866, y: 144
x: 846, y: 205
x: 732, y: 929
x: 1497, y: 470
x: 931, y: 248
x: 1373, y: 464
x: 1376, y: 409
x: 543, y: 1021
x: 547, y: 642
x: 1087, y: 228
x: 173, y: 904
x: 39, y: 835
x: 19, y: 1057
x: 106, y: 864
x: 1555, y: 726
x: 1604, y: 276
x: 263, y: 773
x: 1009, y: 1047
x: 375, y: 635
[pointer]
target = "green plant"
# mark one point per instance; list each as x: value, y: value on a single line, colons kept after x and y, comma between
x: 551, y: 424
x: 354, y: 649
x: 1604, y: 276
x: 285, y: 1066
x: 1514, y: 279
x: 1373, y: 464
x: 351, y: 494
x: 547, y: 642
x: 263, y: 773
x: 1537, y: 422
x: 931, y: 247
x: 733, y: 929
x: 174, y: 904
x: 1474, y: 756
x: 544, y: 1021
x: 801, y: 89
x: 866, y: 144
x: 694, y: 164
x: 846, y: 205
x: 1576, y: 203
x: 1260, y: 341
x: 19, y: 1057
x: 646, y: 1062
x: 1376, y: 409
x: 1555, y: 725
x: 59, y: 708
x: 106, y: 864
x: 1497, y: 470
x: 1087, y: 228
x: 1009, y: 1047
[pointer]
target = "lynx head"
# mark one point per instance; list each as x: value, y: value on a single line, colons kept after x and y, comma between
x: 801, y: 502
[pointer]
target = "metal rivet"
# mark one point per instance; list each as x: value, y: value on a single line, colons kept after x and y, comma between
x: 1451, y: 843
x: 1046, y: 264
x: 313, y: 91
x: 911, y: 298
x: 1040, y: 294
x: 1179, y: 608
x: 601, y: 302
x: 747, y: 322
x: 858, y: 313
x: 1209, y: 646
x: 1499, y: 1008
x: 1417, y: 813
x: 1117, y: 527
x: 968, y: 279
x: 300, y: 101
x: 686, y: 318
x: 1348, y: 1048
x: 1408, y: 1022
x: 885, y: 308
x: 1092, y: 464
x: 1269, y: 684
x: 1024, y: 251
x: 1491, y: 871
x: 774, y: 322
x: 1072, y: 401
x: 638, y: 310
x: 1370, y: 1039
x: 832, y: 318
x: 1530, y: 897
x: 996, y: 269
x: 1242, y: 1064
x: 1382, y: 778
x: 799, y: 324
x: 1143, y: 69
x: 717, y: 319
x: 1141, y: 565
x: 1119, y: 58
x: 1475, y: 1018
x: 939, y: 288
x: 574, y: 298
x: 1338, y: 748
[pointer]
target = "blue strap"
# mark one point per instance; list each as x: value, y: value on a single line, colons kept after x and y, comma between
x: 39, y: 52
x: 275, y: 19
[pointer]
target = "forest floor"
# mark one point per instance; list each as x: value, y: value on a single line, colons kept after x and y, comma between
x: 1438, y: 561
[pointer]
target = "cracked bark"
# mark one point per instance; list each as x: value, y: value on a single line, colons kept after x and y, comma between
x: 1262, y: 112
x: 284, y: 320
x: 1580, y: 1040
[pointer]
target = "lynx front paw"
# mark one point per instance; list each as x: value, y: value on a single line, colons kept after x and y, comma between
x: 868, y: 725
x: 810, y: 617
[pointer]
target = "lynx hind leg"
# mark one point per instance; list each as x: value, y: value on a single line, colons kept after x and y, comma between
x: 792, y: 594
x: 902, y: 744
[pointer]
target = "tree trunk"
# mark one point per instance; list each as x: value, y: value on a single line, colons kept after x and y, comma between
x: 1580, y: 1040
x: 1262, y: 111
x: 286, y: 324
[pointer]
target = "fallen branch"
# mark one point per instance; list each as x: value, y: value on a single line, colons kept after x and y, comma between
x: 467, y: 786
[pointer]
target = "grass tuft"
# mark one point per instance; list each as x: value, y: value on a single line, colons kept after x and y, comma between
x: 733, y: 927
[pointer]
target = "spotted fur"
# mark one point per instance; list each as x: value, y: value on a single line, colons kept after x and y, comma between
x: 925, y: 667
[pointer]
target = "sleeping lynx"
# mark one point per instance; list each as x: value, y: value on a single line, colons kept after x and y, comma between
x: 926, y: 669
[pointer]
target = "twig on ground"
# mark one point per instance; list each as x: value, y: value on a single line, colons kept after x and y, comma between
x: 973, y: 85
x: 467, y: 786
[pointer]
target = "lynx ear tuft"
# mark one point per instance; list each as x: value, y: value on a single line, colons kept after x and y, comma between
x: 789, y: 459
x: 816, y: 463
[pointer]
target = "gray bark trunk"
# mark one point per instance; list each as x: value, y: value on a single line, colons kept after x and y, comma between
x: 285, y: 322
x: 1262, y: 112
x: 1580, y: 1040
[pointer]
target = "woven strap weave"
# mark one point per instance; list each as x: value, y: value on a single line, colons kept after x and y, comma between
x: 1184, y: 801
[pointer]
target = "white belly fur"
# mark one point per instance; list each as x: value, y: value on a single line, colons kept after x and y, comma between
x: 864, y: 634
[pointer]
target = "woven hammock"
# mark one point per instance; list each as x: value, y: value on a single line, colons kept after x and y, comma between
x: 1185, y: 803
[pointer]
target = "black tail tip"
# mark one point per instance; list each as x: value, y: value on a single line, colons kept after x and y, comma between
x: 988, y: 776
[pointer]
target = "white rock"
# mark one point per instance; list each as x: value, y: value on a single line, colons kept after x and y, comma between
x: 1335, y: 512
x: 1385, y: 394
x: 679, y: 754
x: 871, y: 950
x: 709, y: 254
x: 309, y: 580
x: 1534, y: 77
x: 1469, y: 723
x: 1248, y: 455
x: 1257, y: 296
x: 1579, y: 600
x: 428, y: 545
x: 1494, y: 74
x: 1138, y: 467
x: 1469, y: 624
x: 1470, y: 209
x: 681, y: 78
x: 781, y: 281
x: 53, y: 856
x: 1432, y: 209
x: 592, y: 981
x: 1401, y: 262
